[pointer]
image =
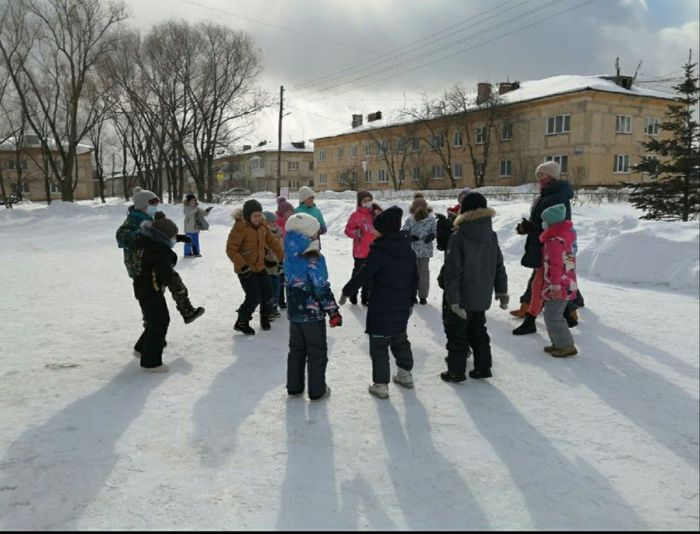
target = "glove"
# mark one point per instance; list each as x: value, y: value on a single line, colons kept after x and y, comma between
x: 440, y: 216
x: 209, y: 209
x: 270, y: 263
x: 159, y: 215
x: 335, y: 320
x: 246, y: 272
x: 343, y: 299
x: 459, y: 312
x: 504, y: 299
x: 182, y: 238
x: 526, y: 227
x: 415, y: 238
x: 427, y: 239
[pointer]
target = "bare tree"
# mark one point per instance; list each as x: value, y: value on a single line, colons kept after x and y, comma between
x: 393, y: 151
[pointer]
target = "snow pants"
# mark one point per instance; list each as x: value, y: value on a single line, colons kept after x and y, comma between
x: 364, y: 295
x: 258, y: 291
x: 308, y: 351
x: 463, y: 334
x: 192, y: 249
x: 379, y: 352
x: 155, y: 327
x: 423, y: 277
x: 556, y: 325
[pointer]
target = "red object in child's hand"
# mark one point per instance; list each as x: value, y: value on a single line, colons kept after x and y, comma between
x: 335, y: 320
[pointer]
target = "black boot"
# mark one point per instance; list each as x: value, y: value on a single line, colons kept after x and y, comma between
x: 452, y: 377
x: 265, y: 322
x: 528, y: 326
x: 571, y: 317
x: 353, y: 299
x: 476, y: 373
x: 244, y: 326
x: 193, y: 314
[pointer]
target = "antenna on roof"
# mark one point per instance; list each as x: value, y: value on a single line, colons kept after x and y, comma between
x: 617, y: 65
x: 639, y: 66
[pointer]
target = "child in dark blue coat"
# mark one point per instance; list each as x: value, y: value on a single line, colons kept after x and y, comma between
x: 391, y: 272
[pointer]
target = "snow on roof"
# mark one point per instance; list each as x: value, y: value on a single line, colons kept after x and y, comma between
x: 31, y: 141
x: 528, y: 90
x: 272, y: 147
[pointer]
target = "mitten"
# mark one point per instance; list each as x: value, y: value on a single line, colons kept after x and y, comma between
x: 458, y: 311
x: 427, y: 239
x: 246, y: 272
x: 415, y: 238
x: 343, y: 299
x: 270, y: 263
x: 504, y: 299
x: 209, y: 209
x: 335, y: 320
x: 182, y: 238
x: 526, y: 227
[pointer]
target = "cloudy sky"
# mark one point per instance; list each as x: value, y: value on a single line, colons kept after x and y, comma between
x: 336, y: 58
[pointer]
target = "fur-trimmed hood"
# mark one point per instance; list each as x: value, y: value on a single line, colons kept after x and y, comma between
x: 476, y: 224
x: 474, y: 215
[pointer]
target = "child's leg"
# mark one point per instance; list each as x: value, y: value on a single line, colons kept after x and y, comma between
x: 195, y: 243
x: 296, y: 359
x: 423, y: 277
x: 457, y: 342
x: 280, y: 296
x: 379, y: 352
x: 536, y: 302
x: 317, y: 354
x: 251, y: 288
x: 479, y: 340
x: 188, y: 246
x: 275, y: 283
x: 557, y: 328
x: 156, y: 321
x: 401, y: 349
x: 265, y: 293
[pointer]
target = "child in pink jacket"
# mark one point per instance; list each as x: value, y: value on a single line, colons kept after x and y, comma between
x: 558, y: 278
x: 361, y: 229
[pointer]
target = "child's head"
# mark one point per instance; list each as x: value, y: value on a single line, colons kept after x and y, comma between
x: 553, y: 215
x: 166, y: 227
x: 270, y: 218
x: 252, y: 212
x: 306, y: 196
x: 419, y: 209
x: 284, y: 207
x: 364, y: 199
x: 376, y: 209
x: 146, y: 201
x: 388, y: 221
x: 190, y: 198
x: 418, y: 194
x: 472, y: 201
x: 463, y: 193
x: 308, y: 226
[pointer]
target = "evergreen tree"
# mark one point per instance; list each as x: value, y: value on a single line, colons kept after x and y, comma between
x: 673, y: 160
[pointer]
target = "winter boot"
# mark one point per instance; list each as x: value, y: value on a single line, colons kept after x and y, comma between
x: 327, y: 393
x: 549, y: 348
x: 244, y: 326
x: 571, y: 317
x: 137, y: 354
x: 275, y: 314
x: 521, y: 311
x: 353, y: 299
x: 476, y: 373
x: 380, y: 391
x: 424, y: 301
x: 403, y: 378
x: 452, y: 377
x: 563, y: 352
x: 528, y: 326
x: 192, y: 314
x: 265, y: 322
x: 365, y: 301
x: 162, y: 368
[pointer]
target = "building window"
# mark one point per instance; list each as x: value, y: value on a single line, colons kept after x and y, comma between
x: 382, y: 176
x: 54, y: 188
x: 563, y: 162
x: 558, y: 124
x: 354, y: 177
x: 13, y: 165
x: 479, y: 168
x: 368, y: 176
x: 311, y: 165
x: 415, y: 143
x: 457, y: 171
x: 341, y: 152
x: 438, y: 140
x: 480, y: 135
x: 622, y: 163
x: 353, y: 151
x: 292, y: 165
x: 457, y: 138
x: 415, y: 174
x: 382, y: 147
x: 322, y: 178
x: 651, y: 126
x: 623, y: 124
x: 436, y: 172
x: 507, y: 131
x: 402, y: 175
x: 339, y: 177
x: 321, y: 155
x: 255, y: 163
x: 505, y: 168
x: 24, y: 185
x: 368, y: 150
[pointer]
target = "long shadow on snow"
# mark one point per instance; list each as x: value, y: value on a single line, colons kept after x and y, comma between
x: 53, y: 471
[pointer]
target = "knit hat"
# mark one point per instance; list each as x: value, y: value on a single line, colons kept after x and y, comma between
x: 361, y: 195
x: 304, y: 193
x: 389, y: 220
x: 418, y: 194
x: 189, y: 197
x: 473, y: 201
x: 463, y: 193
x: 166, y: 226
x: 303, y: 223
x: 554, y: 214
x: 269, y: 216
x: 283, y: 207
x: 143, y: 198
x: 550, y: 168
x: 418, y: 203
x: 250, y: 207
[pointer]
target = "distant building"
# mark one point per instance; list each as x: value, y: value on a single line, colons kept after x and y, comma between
x: 28, y: 167
x: 591, y: 125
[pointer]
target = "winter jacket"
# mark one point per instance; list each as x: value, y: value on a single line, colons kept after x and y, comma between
x: 557, y: 192
x: 424, y: 229
x: 273, y: 267
x: 444, y: 229
x: 360, y: 229
x: 314, y: 212
x: 126, y: 237
x: 559, y: 260
x: 246, y: 244
x: 281, y: 223
x: 195, y: 219
x: 154, y: 268
x: 391, y: 272
x: 474, y: 263
x: 309, y: 295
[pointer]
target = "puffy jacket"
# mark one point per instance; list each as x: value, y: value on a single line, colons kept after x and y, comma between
x: 559, y: 260
x: 361, y: 230
x: 195, y: 219
x: 557, y: 192
x: 246, y: 244
x: 474, y: 267
x: 126, y: 237
x: 309, y: 295
x: 425, y: 228
x: 315, y: 213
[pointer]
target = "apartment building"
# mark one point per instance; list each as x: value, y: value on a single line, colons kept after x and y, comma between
x: 255, y: 168
x: 24, y: 173
x: 592, y: 125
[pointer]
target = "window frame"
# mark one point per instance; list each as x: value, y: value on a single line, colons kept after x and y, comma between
x: 508, y: 164
x: 562, y: 160
x: 652, y: 121
x: 507, y: 127
x: 622, y: 121
x: 565, y: 124
x: 625, y: 158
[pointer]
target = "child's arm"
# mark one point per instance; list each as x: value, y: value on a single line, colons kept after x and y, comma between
x: 126, y: 234
x: 233, y: 247
x: 500, y: 284
x: 318, y: 275
x: 453, y: 270
x: 553, y: 250
x: 274, y: 243
x: 322, y: 222
x: 351, y: 229
x: 364, y: 275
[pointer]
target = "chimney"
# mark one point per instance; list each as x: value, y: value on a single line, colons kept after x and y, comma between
x: 246, y: 147
x: 483, y: 92
x: 507, y: 87
x: 623, y: 81
x: 298, y: 144
x: 374, y: 116
x: 356, y: 120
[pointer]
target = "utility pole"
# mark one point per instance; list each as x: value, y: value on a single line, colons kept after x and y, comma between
x: 279, y: 141
x: 112, y: 175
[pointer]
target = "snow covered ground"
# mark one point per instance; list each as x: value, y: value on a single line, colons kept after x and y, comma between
x: 604, y: 440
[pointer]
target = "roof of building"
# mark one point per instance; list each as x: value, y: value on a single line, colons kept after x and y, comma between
x: 31, y: 141
x: 272, y: 147
x: 527, y: 91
